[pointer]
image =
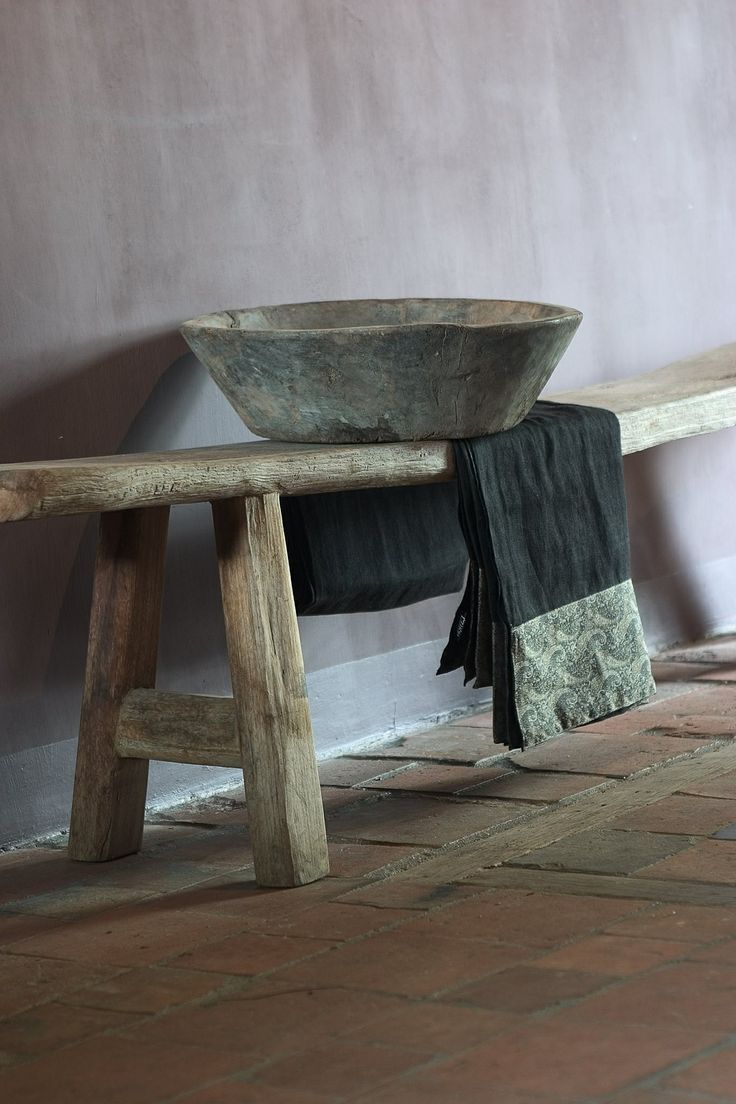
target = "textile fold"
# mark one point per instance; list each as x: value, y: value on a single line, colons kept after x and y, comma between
x: 364, y: 551
x: 549, y: 616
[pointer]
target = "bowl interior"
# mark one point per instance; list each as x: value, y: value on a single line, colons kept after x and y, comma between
x: 380, y: 313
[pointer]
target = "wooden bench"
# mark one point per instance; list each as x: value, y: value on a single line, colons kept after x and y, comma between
x: 265, y: 727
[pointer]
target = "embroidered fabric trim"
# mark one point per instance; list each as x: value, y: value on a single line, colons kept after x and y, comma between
x: 579, y: 662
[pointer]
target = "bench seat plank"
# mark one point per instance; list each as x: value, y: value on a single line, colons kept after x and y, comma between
x: 689, y: 397
x: 692, y: 396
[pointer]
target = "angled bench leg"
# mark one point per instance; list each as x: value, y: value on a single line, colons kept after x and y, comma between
x: 110, y: 792
x: 272, y: 711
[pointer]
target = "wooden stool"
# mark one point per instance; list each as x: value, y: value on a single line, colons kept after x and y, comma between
x: 265, y: 727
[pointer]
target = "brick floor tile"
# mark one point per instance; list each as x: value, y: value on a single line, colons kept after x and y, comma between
x: 711, y: 698
x: 341, y: 1068
x: 336, y: 921
x: 525, y: 989
x: 707, y: 861
x: 682, y: 994
x: 206, y: 855
x: 559, y: 1061
x: 167, y: 865
x: 146, y: 990
x: 539, y: 786
x: 403, y: 894
x: 38, y: 872
x: 665, y: 670
x: 617, y: 756
x: 423, y: 821
x: 707, y: 700
x: 690, y: 923
x: 680, y: 814
x: 239, y: 904
x: 116, y: 1071
x: 353, y: 860
x: 215, y: 810
x: 725, y: 672
x: 438, y: 778
x: 718, y: 727
x: 161, y: 835
x: 272, y: 1021
x: 50, y: 1026
x: 723, y: 786
x: 26, y: 981
x: 135, y: 935
x: 475, y: 720
x: 621, y: 724
x: 657, y: 1096
x: 446, y: 743
x: 436, y: 1028
x: 28, y: 857
x: 724, y: 951
x: 347, y: 771
x: 249, y: 953
x: 531, y: 919
x: 405, y: 962
x: 250, y: 1092
x: 337, y: 797
x: 422, y: 1090
x: 626, y: 725
x: 604, y: 851
x: 715, y: 1075
x: 75, y: 901
x: 614, y: 954
x: 720, y: 649
x: 667, y: 691
x: 15, y: 927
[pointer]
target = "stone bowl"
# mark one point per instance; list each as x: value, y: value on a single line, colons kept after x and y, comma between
x: 383, y: 369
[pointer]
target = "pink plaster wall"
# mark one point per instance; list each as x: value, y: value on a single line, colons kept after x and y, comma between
x: 163, y: 159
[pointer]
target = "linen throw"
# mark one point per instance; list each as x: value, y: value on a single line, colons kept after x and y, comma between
x: 549, y: 616
x: 378, y: 549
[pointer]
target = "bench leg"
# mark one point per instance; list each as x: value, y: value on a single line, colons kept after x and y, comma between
x: 110, y: 792
x: 272, y: 711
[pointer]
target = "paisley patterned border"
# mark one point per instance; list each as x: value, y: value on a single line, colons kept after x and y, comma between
x: 580, y: 662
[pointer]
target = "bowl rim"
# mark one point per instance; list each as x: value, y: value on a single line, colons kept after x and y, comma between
x: 206, y: 322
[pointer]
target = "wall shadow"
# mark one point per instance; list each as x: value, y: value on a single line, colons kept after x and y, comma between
x: 655, y: 553
x: 46, y: 564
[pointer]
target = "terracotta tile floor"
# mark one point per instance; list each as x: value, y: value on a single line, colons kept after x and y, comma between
x: 558, y: 926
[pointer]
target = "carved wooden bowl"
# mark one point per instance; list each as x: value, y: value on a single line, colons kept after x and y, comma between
x: 383, y: 369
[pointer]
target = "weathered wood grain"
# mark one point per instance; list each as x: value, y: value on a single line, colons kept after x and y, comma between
x: 690, y: 397
x: 110, y: 792
x: 88, y: 485
x: 178, y: 728
x: 383, y: 369
x: 270, y: 693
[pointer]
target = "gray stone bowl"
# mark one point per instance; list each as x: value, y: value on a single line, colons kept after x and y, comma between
x: 383, y: 369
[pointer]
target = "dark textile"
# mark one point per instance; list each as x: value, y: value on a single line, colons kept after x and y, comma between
x: 358, y: 551
x: 543, y: 510
x: 552, y: 490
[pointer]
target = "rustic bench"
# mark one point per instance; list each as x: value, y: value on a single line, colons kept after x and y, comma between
x: 265, y: 727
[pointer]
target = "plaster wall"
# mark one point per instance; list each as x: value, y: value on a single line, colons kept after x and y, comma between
x: 160, y: 160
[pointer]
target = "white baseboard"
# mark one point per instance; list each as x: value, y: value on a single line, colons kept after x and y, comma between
x: 353, y: 705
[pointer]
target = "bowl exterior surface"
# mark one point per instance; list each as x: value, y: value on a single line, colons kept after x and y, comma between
x: 393, y: 383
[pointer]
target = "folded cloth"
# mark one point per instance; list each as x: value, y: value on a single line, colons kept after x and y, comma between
x: 549, y: 616
x: 358, y: 551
